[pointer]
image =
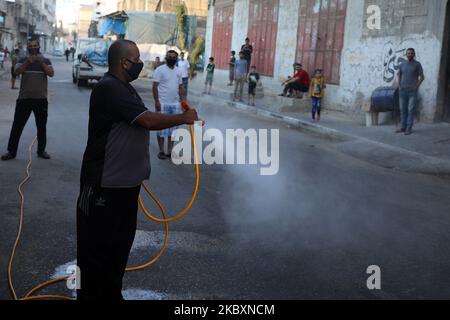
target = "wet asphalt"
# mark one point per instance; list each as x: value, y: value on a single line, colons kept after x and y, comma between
x: 309, y: 232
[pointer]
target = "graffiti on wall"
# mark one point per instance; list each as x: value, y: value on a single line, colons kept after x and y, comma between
x: 394, y: 56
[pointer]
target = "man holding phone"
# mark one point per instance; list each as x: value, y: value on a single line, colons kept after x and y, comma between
x: 35, y: 70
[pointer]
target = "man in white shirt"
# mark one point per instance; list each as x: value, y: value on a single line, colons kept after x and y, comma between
x: 168, y: 91
x: 184, y: 67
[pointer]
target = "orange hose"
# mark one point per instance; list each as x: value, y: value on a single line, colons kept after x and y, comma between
x: 29, y: 295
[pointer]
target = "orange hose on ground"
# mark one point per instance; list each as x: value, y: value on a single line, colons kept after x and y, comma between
x: 29, y: 295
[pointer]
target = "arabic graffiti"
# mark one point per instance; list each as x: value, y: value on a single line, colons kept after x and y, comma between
x: 394, y: 57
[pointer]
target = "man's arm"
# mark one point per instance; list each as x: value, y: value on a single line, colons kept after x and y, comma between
x: 399, y: 78
x: 48, y: 69
x: 20, y: 69
x: 156, y: 96
x: 158, y: 121
x: 421, y: 78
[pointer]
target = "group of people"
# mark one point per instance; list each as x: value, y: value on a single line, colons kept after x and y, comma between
x: 300, y: 83
x: 70, y: 52
x: 240, y: 71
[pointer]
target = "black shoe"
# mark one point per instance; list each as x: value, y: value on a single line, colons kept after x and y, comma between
x: 44, y: 155
x: 162, y: 156
x: 8, y: 156
x: 408, y: 132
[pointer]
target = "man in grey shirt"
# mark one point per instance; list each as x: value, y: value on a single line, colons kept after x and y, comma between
x: 410, y: 77
x: 240, y: 74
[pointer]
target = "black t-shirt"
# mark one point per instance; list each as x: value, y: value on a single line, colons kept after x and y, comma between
x: 117, y: 152
x: 248, y: 50
x: 232, y: 62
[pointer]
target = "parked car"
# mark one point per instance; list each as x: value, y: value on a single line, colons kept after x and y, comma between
x: 91, y: 60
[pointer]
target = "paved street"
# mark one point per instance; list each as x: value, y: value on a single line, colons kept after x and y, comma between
x: 309, y: 232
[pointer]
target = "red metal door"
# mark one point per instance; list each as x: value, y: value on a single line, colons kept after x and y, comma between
x: 222, y: 34
x: 262, y: 31
x: 321, y: 36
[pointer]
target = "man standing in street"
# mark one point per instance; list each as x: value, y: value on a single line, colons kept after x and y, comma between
x: 115, y: 164
x: 247, y: 49
x: 184, y: 67
x: 410, y: 77
x: 32, y: 98
x: 168, y: 92
x: 240, y: 75
x: 67, y: 54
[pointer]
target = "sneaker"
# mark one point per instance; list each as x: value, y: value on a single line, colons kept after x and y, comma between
x: 44, y: 155
x: 402, y: 130
x: 8, y: 156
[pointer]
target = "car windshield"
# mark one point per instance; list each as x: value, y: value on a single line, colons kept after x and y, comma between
x: 96, y: 50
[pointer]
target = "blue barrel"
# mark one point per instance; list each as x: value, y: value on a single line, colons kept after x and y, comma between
x: 385, y: 99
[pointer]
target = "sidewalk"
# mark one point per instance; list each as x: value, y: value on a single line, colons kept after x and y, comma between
x: 426, y: 151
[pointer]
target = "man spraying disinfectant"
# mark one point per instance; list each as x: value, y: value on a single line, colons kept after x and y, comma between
x: 115, y: 164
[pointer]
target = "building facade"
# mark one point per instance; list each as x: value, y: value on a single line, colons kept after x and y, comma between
x: 342, y: 37
x: 85, y: 16
x: 193, y: 7
x: 27, y: 18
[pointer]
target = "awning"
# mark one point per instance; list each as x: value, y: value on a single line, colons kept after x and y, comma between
x: 113, y: 23
x: 108, y: 25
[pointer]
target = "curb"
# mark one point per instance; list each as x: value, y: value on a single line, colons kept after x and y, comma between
x: 400, y: 159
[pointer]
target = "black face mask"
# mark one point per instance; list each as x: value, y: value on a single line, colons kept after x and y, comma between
x: 135, y: 69
x: 171, y: 62
x: 34, y: 51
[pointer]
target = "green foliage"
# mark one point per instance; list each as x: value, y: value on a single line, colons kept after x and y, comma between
x: 181, y: 14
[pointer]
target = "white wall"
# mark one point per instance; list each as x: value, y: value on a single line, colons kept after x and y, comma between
x: 209, y: 34
x: 366, y: 64
x: 240, y: 24
x: 286, y: 40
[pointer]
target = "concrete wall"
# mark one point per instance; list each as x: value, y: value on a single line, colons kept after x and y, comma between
x: 209, y: 34
x: 370, y: 58
x: 240, y: 24
x: 286, y: 41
